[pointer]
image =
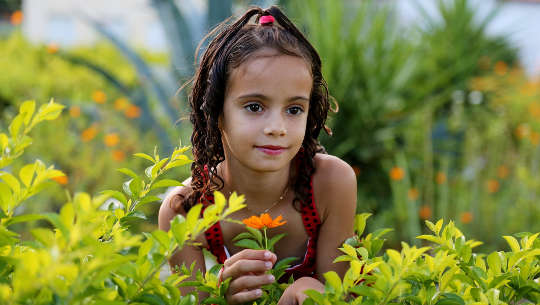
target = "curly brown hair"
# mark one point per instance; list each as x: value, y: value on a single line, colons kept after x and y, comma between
x: 232, y: 46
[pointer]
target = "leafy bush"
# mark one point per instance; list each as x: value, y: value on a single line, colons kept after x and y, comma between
x: 88, y: 254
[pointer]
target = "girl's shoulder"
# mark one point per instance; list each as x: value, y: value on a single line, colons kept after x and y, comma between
x: 334, y: 184
x: 172, y: 204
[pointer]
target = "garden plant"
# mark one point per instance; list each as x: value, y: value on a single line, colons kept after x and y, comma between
x: 87, y: 253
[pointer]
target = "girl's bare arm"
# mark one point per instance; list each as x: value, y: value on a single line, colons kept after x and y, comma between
x: 335, y: 196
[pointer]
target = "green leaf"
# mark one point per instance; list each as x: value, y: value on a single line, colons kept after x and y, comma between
x: 148, y: 199
x: 431, y: 238
x: 116, y: 195
x: 332, y: 278
x: 27, y: 110
x: 15, y: 126
x: 179, y: 229
x: 360, y: 222
x: 242, y: 235
x: 158, y: 166
x: 128, y: 172
x: 364, y: 290
x: 48, y: 112
x: 514, y: 245
x: 162, y: 238
x: 11, y: 181
x: 450, y: 299
x: 274, y: 240
x: 56, y: 221
x: 23, y: 218
x: 192, y: 218
x: 135, y: 186
x: 165, y: 183
x: 176, y: 163
x: 315, y: 295
x: 27, y: 173
x: 145, y: 156
x: 4, y: 142
x: 494, y: 262
x: 248, y: 244
x: 257, y: 235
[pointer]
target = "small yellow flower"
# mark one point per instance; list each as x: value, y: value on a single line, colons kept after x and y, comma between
x: 502, y: 171
x: 397, y: 173
x: 75, y: 111
x: 492, y: 186
x: 52, y: 48
x: 501, y: 68
x: 16, y: 18
x: 413, y: 194
x: 132, y: 112
x: 63, y: 180
x: 440, y: 178
x: 424, y: 212
x: 121, y: 103
x: 466, y: 217
x: 264, y: 220
x: 118, y: 155
x: 111, y: 139
x: 99, y: 97
x: 89, y: 133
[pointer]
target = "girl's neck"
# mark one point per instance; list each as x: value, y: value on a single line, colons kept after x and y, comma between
x: 261, y: 189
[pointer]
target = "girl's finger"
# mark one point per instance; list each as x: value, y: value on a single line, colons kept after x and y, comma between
x: 250, y: 282
x: 244, y: 296
x: 251, y: 254
x: 244, y: 267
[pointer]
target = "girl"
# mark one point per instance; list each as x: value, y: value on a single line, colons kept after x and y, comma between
x: 258, y: 104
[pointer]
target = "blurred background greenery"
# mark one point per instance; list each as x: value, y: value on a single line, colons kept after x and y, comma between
x: 438, y: 118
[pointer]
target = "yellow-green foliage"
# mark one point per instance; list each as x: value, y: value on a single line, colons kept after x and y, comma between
x: 89, y: 255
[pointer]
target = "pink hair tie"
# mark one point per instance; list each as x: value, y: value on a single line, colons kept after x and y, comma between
x: 267, y: 19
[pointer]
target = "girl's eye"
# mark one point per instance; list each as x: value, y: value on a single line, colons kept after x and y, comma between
x: 253, y: 107
x: 295, y: 110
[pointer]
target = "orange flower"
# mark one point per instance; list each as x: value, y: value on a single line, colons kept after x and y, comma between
x: 132, y: 112
x: 99, y: 97
x: 440, y: 178
x: 424, y: 212
x: 63, y: 180
x: 502, y: 171
x: 121, y: 103
x: 52, y: 48
x: 75, y: 111
x: 413, y: 194
x: 466, y: 217
x: 501, y: 68
x: 16, y: 18
x: 492, y: 186
x: 397, y: 173
x: 111, y: 139
x: 528, y: 89
x: 89, y: 133
x: 535, y: 138
x: 264, y: 220
x: 356, y: 170
x: 118, y: 155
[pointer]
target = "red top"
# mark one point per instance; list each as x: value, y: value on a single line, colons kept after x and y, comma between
x: 311, y: 221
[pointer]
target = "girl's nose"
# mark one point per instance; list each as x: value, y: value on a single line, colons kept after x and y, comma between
x: 276, y: 127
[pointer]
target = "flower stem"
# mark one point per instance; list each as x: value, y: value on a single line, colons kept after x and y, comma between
x: 265, y: 239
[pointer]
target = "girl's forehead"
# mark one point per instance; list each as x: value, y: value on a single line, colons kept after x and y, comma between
x: 268, y: 71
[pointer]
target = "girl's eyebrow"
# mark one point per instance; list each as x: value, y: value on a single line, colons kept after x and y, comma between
x: 264, y: 97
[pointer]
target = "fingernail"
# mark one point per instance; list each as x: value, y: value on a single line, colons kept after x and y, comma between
x: 271, y: 278
x: 268, y: 265
x: 258, y: 292
x: 267, y: 254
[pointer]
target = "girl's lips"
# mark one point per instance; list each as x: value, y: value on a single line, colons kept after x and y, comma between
x: 271, y: 149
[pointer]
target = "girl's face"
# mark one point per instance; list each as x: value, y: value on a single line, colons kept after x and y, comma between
x: 265, y: 111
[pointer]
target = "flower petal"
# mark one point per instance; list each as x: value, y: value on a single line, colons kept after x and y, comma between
x: 277, y: 222
x: 266, y: 220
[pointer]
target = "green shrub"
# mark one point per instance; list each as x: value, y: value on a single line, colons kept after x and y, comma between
x: 88, y: 254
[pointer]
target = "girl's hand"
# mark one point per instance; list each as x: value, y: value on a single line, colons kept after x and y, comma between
x: 247, y: 269
x: 294, y: 294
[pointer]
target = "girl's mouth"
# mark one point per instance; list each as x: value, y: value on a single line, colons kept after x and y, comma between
x: 271, y: 150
